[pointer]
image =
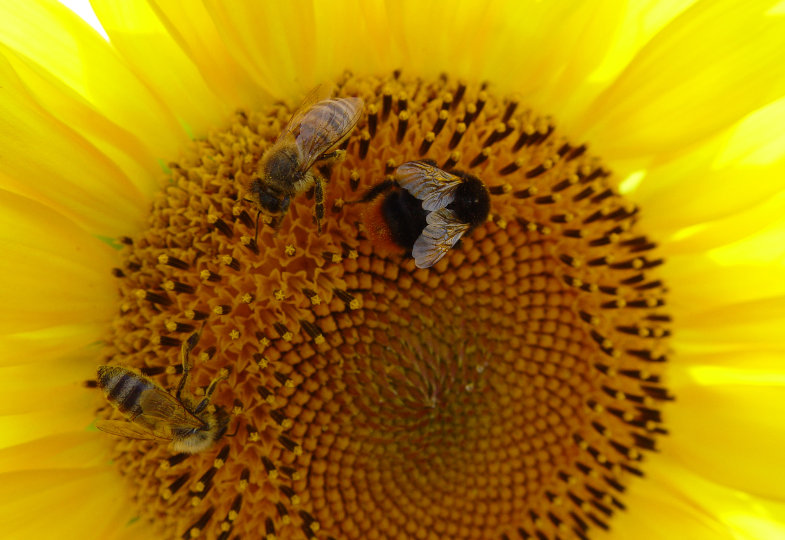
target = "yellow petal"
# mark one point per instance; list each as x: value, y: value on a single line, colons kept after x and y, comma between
x: 368, y: 23
x: 48, y: 161
x: 156, y: 58
x: 53, y: 272
x: 710, y: 362
x: 48, y: 343
x: 75, y: 503
x: 767, y: 522
x: 699, y: 284
x: 702, y: 194
x: 194, y: 30
x: 710, y: 67
x: 758, y: 139
x: 73, y: 412
x: 275, y: 41
x: 674, y: 502
x: 731, y: 415
x: 125, y: 149
x: 68, y: 48
x: 643, y: 19
x: 47, y: 385
x: 306, y: 43
x: 502, y: 42
x: 757, y: 322
x: 754, y: 235
x: 729, y: 174
x: 658, y: 510
x: 73, y: 450
x: 765, y: 246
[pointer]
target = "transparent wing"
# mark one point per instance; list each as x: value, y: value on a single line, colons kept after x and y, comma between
x: 130, y: 430
x: 156, y: 403
x: 433, y: 186
x: 438, y: 237
x: 316, y: 95
x: 324, y: 126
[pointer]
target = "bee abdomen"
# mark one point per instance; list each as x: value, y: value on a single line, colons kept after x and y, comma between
x: 123, y: 388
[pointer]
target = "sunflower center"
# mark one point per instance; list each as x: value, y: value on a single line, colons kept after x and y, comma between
x: 506, y: 392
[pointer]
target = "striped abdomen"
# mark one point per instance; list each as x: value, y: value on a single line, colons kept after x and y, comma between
x: 123, y: 388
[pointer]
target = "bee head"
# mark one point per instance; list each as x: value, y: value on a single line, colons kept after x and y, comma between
x: 269, y: 199
x: 222, y: 419
x: 472, y: 201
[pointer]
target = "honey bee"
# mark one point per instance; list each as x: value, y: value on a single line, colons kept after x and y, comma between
x: 155, y: 414
x: 430, y: 214
x: 313, y: 134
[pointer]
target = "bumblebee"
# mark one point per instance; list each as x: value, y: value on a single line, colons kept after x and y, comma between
x: 430, y: 213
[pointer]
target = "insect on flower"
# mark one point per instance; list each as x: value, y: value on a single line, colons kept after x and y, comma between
x: 155, y: 414
x: 314, y: 133
x: 430, y: 216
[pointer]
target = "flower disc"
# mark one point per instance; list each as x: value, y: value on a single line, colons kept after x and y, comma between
x: 506, y: 392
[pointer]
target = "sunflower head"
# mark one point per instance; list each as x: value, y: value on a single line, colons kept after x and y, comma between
x: 512, y: 386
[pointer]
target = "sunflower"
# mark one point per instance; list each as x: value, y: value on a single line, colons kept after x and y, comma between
x: 600, y: 358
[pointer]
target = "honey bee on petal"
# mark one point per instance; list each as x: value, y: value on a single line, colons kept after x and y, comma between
x: 155, y: 414
x: 313, y: 134
x: 430, y: 214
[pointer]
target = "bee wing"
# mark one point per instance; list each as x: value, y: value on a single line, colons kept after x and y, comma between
x: 438, y: 237
x: 324, y: 126
x: 319, y: 93
x: 433, y: 186
x: 131, y: 430
x: 156, y: 403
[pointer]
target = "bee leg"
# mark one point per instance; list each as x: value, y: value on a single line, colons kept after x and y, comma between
x: 256, y: 234
x: 375, y: 191
x: 236, y: 429
x: 185, y: 359
x: 319, y: 196
x: 210, y: 389
x: 334, y: 156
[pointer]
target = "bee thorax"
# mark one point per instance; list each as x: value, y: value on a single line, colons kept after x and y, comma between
x: 472, y: 202
x: 280, y: 165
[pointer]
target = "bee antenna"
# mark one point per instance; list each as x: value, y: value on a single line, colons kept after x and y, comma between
x: 236, y: 429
